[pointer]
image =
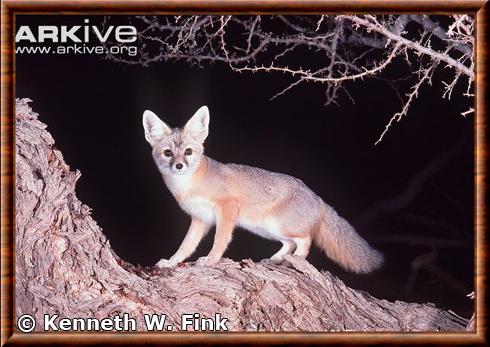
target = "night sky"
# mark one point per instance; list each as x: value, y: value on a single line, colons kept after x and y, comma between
x: 93, y: 109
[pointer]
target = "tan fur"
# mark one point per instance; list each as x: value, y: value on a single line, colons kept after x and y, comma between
x: 272, y: 205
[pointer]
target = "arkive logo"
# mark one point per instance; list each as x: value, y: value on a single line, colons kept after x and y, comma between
x: 74, y: 34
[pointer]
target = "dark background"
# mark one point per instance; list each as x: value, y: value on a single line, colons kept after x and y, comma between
x: 93, y: 109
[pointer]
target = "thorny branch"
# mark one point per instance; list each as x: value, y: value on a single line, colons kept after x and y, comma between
x: 328, y: 50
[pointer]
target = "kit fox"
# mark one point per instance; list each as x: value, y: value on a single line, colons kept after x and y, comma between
x: 273, y: 205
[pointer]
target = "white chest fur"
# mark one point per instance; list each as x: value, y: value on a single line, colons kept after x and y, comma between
x: 195, y: 205
x: 179, y: 185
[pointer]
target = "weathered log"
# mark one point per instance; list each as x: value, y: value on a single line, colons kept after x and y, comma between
x: 65, y: 265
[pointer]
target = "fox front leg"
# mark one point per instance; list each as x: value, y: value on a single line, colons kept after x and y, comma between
x: 227, y: 216
x: 196, y: 232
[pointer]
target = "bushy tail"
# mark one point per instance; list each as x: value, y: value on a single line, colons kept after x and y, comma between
x: 338, y: 239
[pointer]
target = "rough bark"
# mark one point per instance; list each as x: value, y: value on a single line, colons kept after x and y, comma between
x: 65, y: 265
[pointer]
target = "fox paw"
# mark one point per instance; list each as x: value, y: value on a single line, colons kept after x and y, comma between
x: 164, y: 263
x: 206, y: 261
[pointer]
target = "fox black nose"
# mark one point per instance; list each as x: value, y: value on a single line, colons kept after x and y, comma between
x: 179, y: 166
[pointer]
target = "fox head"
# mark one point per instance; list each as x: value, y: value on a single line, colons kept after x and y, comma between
x: 179, y: 150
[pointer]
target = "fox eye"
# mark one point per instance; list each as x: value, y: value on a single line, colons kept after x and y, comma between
x: 188, y: 151
x: 167, y: 153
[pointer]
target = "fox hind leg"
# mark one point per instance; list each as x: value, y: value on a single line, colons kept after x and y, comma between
x: 287, y: 248
x: 303, y: 245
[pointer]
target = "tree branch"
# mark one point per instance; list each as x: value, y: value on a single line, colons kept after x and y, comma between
x: 374, y: 25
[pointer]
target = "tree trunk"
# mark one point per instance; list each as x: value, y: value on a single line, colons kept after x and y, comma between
x: 65, y: 265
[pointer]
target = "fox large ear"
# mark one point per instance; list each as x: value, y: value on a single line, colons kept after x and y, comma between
x: 198, y: 125
x: 155, y: 128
